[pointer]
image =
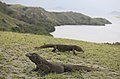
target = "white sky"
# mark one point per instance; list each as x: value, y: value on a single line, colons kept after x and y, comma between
x: 85, y: 6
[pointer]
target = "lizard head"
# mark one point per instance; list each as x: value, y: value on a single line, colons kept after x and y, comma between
x: 35, y: 58
x: 79, y: 49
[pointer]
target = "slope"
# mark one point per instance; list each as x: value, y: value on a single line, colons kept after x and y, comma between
x: 8, y: 13
x: 15, y: 65
x: 8, y: 23
x: 39, y: 21
x: 36, y: 15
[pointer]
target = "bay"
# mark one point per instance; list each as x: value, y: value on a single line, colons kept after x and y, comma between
x: 100, y: 34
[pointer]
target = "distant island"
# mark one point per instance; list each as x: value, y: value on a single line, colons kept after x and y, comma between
x: 115, y: 13
x: 36, y: 20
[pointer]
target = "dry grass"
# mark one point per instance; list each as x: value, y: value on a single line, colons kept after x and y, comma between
x: 15, y: 65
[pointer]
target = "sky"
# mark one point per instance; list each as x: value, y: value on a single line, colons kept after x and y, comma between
x: 92, y: 7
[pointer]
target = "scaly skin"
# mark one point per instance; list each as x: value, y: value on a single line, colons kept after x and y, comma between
x: 45, y: 67
x: 62, y: 48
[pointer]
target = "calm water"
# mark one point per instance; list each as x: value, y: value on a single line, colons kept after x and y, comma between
x: 100, y: 34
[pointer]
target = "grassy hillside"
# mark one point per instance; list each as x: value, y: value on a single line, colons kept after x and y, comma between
x: 36, y: 15
x: 37, y: 20
x: 15, y: 65
x: 11, y: 16
x: 8, y: 23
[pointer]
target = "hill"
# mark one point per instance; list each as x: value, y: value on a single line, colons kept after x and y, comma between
x: 8, y: 23
x: 17, y: 25
x: 36, y: 15
x: 115, y: 13
x: 118, y: 17
x: 40, y: 21
x: 15, y: 65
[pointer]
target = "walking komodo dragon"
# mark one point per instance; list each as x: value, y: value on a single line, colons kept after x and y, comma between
x: 44, y: 67
x: 61, y: 47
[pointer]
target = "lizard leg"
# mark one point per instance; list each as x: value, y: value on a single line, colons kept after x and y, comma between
x: 74, y: 52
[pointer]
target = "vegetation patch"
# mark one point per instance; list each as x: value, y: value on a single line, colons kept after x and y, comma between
x: 36, y: 20
x: 15, y: 65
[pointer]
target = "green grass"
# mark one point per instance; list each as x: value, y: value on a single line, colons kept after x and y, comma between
x: 15, y: 65
x: 36, y: 20
x: 8, y: 23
